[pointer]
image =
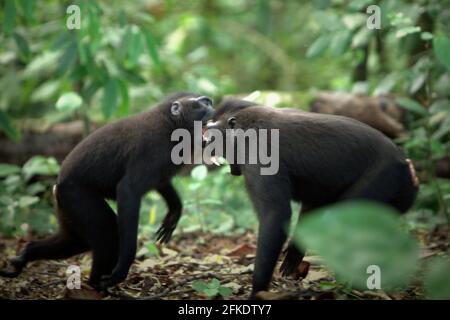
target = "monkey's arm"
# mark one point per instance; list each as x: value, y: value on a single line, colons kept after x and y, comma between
x: 128, y: 203
x: 173, y: 215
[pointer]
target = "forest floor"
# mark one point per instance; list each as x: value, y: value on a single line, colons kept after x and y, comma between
x: 170, y: 273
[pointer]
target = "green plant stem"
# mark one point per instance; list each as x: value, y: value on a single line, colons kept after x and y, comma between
x: 443, y: 209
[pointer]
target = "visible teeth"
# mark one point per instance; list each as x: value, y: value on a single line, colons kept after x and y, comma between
x: 205, y: 136
x: 215, y: 160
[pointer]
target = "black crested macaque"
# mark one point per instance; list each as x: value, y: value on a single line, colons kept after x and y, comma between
x: 323, y: 159
x: 120, y: 161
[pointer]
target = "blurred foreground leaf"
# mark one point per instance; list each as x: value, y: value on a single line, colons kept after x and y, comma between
x: 352, y: 236
x: 437, y: 279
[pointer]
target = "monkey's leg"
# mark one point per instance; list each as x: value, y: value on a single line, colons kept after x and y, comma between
x: 129, y: 193
x: 95, y: 222
x: 293, y: 255
x: 60, y: 246
x: 272, y: 204
x: 173, y: 215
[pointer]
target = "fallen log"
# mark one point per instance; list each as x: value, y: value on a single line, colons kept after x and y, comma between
x: 56, y: 141
x: 380, y: 112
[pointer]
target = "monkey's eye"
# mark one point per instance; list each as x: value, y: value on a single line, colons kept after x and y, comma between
x: 231, y: 122
x: 175, y: 109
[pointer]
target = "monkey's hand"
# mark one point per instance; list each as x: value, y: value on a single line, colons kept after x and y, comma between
x: 169, y: 224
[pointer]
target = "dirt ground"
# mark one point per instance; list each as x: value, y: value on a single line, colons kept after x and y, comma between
x: 189, y: 258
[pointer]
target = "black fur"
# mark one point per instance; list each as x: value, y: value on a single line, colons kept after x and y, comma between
x: 323, y: 159
x: 120, y: 161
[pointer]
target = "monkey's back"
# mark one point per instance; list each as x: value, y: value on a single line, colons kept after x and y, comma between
x: 325, y: 153
x: 101, y: 159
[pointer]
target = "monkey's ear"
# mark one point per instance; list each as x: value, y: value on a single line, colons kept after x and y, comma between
x: 175, y: 109
x: 205, y: 101
x: 232, y: 122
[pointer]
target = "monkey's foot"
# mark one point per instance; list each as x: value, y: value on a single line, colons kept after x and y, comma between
x: 109, y: 281
x: 17, y: 264
x: 164, y: 233
x: 290, y: 263
x: 10, y: 273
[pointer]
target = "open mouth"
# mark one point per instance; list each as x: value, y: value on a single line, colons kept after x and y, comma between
x: 206, y: 137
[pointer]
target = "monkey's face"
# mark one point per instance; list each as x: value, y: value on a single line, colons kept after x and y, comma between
x: 219, y: 136
x: 226, y: 117
x: 186, y: 110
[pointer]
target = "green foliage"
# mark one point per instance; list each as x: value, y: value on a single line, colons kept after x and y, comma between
x: 211, y: 289
x: 412, y: 106
x: 441, y: 46
x: 127, y: 56
x: 7, y: 126
x: 69, y: 101
x: 355, y: 235
x: 25, y: 205
x: 437, y: 279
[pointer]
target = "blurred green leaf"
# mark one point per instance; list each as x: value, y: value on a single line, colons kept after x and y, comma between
x: 426, y: 36
x: 27, y: 8
x: 362, y: 37
x: 69, y: 101
x: 318, y: 47
x: 199, y: 172
x: 352, y: 236
x: 211, y: 292
x: 152, y: 48
x: 152, y: 249
x: 215, y: 283
x: 135, y: 46
x: 7, y: 169
x: 403, y: 32
x: 26, y: 201
x: 39, y: 165
x: 441, y: 47
x: 437, y: 279
x: 412, y: 106
x: 110, y: 99
x: 199, y: 286
x: 7, y: 127
x: 340, y: 42
x: 22, y: 45
x: 124, y: 98
x: 9, y: 16
x: 68, y: 58
x: 225, y: 291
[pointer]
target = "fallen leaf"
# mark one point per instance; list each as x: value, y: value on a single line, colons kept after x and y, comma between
x: 84, y: 293
x: 242, y: 250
